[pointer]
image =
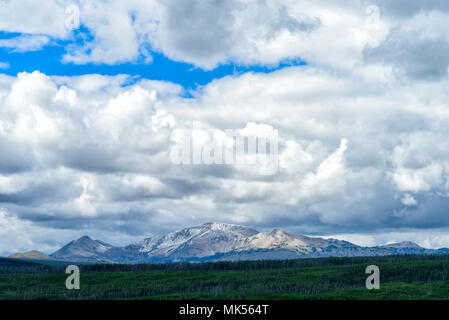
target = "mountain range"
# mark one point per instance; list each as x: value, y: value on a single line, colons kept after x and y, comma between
x: 218, y: 242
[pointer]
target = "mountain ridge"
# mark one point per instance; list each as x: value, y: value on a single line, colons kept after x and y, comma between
x: 214, y: 241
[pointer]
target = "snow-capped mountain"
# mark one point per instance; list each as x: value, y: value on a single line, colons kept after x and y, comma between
x: 219, y: 241
x: 201, y: 241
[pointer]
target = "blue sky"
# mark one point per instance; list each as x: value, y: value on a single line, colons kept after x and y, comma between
x: 48, y: 60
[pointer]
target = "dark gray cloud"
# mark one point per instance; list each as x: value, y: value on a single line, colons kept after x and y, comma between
x: 198, y: 38
x: 214, y: 32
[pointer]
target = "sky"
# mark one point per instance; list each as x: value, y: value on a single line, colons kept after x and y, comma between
x: 95, y: 96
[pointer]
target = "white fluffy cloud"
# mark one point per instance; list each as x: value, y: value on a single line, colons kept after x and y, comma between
x: 360, y: 152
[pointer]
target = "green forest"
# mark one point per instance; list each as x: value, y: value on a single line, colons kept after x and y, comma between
x: 401, y: 277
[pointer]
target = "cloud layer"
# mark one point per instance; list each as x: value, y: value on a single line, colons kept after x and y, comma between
x: 363, y: 153
x: 408, y: 35
x: 205, y: 33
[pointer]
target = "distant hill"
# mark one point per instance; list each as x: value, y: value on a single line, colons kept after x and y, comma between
x: 219, y: 241
x: 31, y: 255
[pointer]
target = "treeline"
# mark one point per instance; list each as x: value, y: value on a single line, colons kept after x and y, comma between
x: 8, y: 265
x: 24, y: 266
x: 261, y: 264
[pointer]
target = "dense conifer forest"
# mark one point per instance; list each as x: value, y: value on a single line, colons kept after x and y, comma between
x: 402, y: 277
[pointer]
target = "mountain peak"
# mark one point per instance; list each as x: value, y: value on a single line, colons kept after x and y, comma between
x: 218, y: 226
x: 277, y: 232
x: 84, y: 247
x: 204, y: 240
x: 83, y: 238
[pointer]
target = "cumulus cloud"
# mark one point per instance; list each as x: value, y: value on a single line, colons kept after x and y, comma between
x: 94, y: 152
